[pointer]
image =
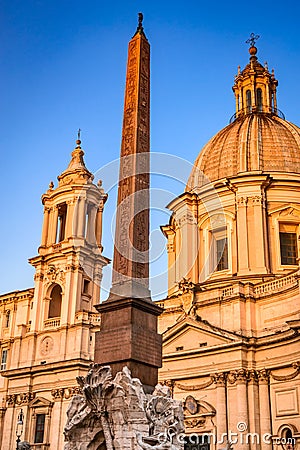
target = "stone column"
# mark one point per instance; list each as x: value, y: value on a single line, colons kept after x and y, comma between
x: 220, y: 381
x: 253, y: 403
x: 45, y: 230
x: 259, y: 231
x: 80, y: 217
x: 96, y: 285
x: 237, y: 103
x: 178, y: 250
x: 264, y: 406
x: 267, y: 101
x: 242, y: 236
x: 98, y: 226
x: 71, y: 224
x: 171, y: 261
x: 90, y: 233
x: 242, y: 408
x: 2, y: 415
x: 53, y: 225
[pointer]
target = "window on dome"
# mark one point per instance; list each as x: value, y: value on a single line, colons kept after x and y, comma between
x: 259, y: 99
x: 288, y: 244
x: 248, y: 101
x: 219, y: 250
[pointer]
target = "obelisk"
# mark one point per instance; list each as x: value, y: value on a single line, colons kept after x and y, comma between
x: 128, y: 334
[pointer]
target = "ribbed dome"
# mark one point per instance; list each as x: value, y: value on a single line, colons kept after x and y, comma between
x: 254, y: 142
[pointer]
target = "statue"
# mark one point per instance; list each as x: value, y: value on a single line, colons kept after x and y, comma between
x: 116, y: 413
x: 24, y: 445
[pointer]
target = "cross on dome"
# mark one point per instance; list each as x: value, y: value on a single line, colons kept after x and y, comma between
x: 252, y: 39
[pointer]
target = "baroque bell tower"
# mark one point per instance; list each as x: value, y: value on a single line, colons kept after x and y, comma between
x: 70, y: 261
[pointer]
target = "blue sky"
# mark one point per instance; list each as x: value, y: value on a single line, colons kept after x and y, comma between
x: 63, y: 67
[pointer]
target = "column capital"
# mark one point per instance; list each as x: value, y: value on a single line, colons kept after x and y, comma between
x: 252, y: 376
x: 263, y: 376
x: 219, y: 378
x: 242, y: 201
x: 255, y: 199
x: 38, y: 277
x: 239, y: 376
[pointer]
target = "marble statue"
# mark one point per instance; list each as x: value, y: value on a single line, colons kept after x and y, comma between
x: 116, y: 414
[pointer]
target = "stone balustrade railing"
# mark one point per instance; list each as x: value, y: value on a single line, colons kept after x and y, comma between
x: 275, y: 285
x: 260, y: 289
x: 52, y: 323
x: 84, y: 316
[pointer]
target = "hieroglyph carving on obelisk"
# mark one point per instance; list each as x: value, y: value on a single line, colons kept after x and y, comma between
x: 130, y: 276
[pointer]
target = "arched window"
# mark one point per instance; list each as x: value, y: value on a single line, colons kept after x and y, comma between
x: 55, y: 302
x: 248, y: 101
x: 288, y: 440
x: 259, y: 99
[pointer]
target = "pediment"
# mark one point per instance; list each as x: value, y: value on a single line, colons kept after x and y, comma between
x: 288, y: 211
x: 194, y: 334
x: 40, y: 402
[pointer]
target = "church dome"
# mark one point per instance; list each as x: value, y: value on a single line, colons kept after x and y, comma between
x: 258, y: 140
x: 254, y: 142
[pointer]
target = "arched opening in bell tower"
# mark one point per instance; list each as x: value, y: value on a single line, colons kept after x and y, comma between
x: 55, y: 302
x: 61, y: 225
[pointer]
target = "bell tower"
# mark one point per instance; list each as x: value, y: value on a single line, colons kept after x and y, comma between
x: 68, y: 268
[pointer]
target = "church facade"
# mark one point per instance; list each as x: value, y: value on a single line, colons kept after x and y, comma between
x: 48, y: 332
x: 230, y: 322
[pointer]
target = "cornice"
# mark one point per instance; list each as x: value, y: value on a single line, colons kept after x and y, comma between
x: 59, y: 366
x: 233, y: 376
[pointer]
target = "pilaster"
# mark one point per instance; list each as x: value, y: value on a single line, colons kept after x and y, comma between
x: 220, y: 381
x: 253, y: 403
x: 264, y: 405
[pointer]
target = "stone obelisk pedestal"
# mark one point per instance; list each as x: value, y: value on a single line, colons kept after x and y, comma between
x: 129, y: 337
x: 128, y: 334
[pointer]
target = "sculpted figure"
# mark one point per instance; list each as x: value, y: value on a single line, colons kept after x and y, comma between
x: 24, y: 445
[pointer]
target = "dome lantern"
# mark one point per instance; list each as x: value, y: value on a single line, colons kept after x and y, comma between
x: 255, y: 87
